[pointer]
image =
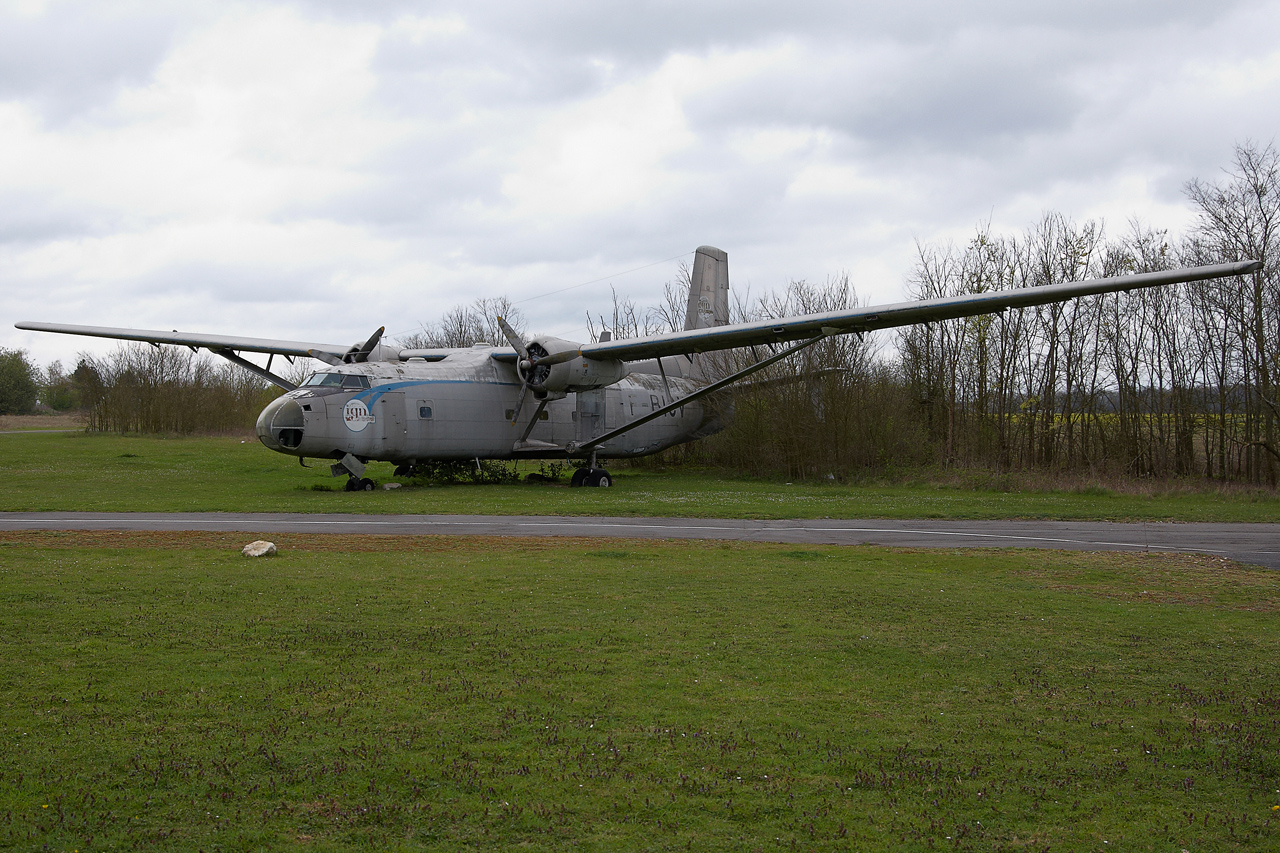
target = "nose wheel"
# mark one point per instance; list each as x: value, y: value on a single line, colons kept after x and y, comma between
x: 359, y: 484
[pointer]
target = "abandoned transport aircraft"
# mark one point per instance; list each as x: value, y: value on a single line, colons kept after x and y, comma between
x: 555, y: 399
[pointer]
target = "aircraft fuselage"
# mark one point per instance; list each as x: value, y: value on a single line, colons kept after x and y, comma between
x: 461, y: 404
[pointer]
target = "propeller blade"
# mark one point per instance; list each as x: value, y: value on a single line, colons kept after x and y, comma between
x: 513, y: 339
x: 524, y: 392
x: 557, y: 358
x: 326, y: 357
x: 361, y: 353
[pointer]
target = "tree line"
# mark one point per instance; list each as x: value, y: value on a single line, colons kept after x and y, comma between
x: 1176, y: 381
x: 138, y: 388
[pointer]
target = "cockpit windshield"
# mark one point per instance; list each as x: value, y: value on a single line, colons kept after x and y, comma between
x: 350, y: 381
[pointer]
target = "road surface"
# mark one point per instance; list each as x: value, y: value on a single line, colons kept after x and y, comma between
x: 1258, y: 544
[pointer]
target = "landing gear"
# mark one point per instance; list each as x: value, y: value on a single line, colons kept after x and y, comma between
x: 597, y: 477
x: 359, y: 484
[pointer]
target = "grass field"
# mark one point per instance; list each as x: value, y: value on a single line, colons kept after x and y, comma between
x: 107, y: 472
x: 163, y: 692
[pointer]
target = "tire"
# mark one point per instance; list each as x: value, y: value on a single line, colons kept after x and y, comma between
x: 597, y: 477
x: 579, y: 477
x: 350, y: 485
x: 367, y: 485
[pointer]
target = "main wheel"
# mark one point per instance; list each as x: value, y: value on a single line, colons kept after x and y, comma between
x: 367, y: 485
x: 579, y: 476
x: 599, y: 478
x: 352, y: 485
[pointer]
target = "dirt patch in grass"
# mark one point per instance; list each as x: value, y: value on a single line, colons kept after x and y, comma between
x: 1154, y: 578
x: 1160, y: 578
x: 28, y: 422
x: 305, y: 541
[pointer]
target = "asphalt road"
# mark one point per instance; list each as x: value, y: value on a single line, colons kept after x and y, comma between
x: 1258, y: 544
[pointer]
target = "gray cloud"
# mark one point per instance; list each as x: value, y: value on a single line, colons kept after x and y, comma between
x: 71, y: 61
x: 804, y: 138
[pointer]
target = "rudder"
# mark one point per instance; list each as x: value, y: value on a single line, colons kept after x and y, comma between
x: 708, y: 290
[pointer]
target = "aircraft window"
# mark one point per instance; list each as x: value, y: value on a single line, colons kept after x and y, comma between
x: 337, y: 380
x: 424, y: 412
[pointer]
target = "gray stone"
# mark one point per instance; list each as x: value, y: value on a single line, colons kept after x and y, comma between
x: 259, y: 548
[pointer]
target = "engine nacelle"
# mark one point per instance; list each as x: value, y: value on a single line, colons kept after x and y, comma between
x: 576, y: 373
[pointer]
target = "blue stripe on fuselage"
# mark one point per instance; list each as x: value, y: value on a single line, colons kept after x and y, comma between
x: 370, y: 397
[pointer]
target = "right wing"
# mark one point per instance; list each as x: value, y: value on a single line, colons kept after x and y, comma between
x: 888, y: 316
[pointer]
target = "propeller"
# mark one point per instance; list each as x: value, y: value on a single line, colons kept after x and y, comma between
x: 360, y: 353
x: 534, y: 367
x: 522, y: 351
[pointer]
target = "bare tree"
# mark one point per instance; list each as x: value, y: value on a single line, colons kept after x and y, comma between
x: 1239, y: 219
x: 464, y: 325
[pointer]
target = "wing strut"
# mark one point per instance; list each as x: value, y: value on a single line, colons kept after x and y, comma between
x: 575, y: 448
x: 253, y: 368
x: 533, y: 421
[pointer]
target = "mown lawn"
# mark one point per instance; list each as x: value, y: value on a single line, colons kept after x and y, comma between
x: 106, y: 472
x: 161, y: 691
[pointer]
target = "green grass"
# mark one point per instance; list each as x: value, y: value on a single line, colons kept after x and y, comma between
x: 624, y: 695
x: 105, y: 472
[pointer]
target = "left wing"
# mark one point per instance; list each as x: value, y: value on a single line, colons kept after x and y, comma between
x: 190, y: 339
x: 227, y: 346
x: 888, y: 316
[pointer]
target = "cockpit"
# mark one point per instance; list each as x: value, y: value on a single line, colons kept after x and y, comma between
x: 348, y: 381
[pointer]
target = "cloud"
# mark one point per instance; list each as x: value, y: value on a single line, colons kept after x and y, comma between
x: 68, y: 65
x: 316, y: 169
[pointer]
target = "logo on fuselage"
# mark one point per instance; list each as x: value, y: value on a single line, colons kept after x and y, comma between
x: 356, y: 415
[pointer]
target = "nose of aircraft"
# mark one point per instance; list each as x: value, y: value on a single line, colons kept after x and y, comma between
x: 280, y: 425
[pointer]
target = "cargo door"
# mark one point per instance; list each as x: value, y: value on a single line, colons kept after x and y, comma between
x: 590, y: 414
x: 391, y: 414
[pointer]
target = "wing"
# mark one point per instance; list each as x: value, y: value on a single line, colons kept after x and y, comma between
x: 215, y: 343
x: 227, y: 346
x: 888, y: 316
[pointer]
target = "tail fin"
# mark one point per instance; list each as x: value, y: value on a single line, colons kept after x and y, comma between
x: 708, y: 290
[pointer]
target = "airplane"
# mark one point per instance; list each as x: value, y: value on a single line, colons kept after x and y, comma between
x: 611, y: 399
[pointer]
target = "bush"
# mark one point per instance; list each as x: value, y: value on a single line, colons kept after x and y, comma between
x: 452, y: 471
x: 57, y: 389
x: 18, y: 388
x: 139, y: 388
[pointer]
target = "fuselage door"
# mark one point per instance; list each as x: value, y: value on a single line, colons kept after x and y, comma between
x: 590, y: 414
x: 392, y: 416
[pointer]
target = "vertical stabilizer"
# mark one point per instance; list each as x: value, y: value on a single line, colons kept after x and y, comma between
x: 708, y: 290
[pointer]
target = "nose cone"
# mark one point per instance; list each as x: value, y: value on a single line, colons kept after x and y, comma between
x: 280, y: 425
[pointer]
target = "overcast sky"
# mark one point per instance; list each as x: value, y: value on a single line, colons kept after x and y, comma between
x: 314, y: 170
